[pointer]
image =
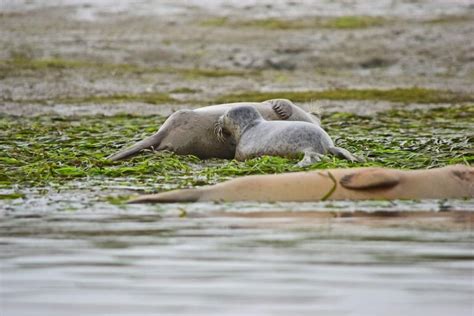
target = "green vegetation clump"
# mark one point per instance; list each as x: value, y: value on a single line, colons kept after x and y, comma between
x: 214, y: 22
x: 184, y: 90
x: 399, y: 95
x: 450, y: 19
x: 22, y: 62
x: 52, y: 151
x: 278, y: 24
x: 210, y: 73
x: 11, y: 196
x: 402, y: 95
x: 342, y: 22
x: 151, y: 98
x: 19, y: 62
x: 354, y: 22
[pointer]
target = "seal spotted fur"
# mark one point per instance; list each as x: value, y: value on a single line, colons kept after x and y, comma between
x: 256, y: 137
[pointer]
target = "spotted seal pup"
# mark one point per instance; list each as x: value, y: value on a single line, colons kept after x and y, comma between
x: 256, y: 137
x: 191, y: 132
x: 456, y: 181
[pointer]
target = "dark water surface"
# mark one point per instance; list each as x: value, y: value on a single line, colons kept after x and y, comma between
x: 237, y: 259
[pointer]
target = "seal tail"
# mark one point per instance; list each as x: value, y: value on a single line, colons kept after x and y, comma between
x: 176, y: 196
x: 149, y: 142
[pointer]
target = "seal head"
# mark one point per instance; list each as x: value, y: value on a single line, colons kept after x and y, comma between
x: 235, y: 121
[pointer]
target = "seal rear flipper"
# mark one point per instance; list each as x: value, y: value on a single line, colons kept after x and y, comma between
x: 176, y: 196
x: 375, y: 178
x: 150, y: 142
x: 282, y: 108
x: 344, y: 154
x: 310, y: 157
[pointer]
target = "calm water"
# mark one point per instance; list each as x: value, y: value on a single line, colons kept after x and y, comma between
x: 63, y: 258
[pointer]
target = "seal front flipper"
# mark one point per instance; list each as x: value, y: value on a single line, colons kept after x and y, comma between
x: 373, y: 178
x: 282, y: 108
x: 310, y: 157
x: 344, y: 154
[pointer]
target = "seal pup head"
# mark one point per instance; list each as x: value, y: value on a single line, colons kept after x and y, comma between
x: 236, y: 120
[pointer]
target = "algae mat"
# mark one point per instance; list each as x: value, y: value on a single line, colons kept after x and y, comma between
x: 52, y: 151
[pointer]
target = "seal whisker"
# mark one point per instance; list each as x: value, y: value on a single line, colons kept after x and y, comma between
x: 218, y: 131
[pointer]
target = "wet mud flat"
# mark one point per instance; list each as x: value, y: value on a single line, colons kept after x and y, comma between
x: 81, y: 79
x: 124, y: 58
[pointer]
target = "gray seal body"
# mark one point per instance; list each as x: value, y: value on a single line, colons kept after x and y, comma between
x: 254, y: 136
x: 192, y: 132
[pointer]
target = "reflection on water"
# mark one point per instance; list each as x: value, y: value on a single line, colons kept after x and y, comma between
x: 211, y: 259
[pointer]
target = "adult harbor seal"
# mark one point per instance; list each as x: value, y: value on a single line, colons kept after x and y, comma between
x: 191, y: 132
x: 456, y: 181
x: 256, y: 137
